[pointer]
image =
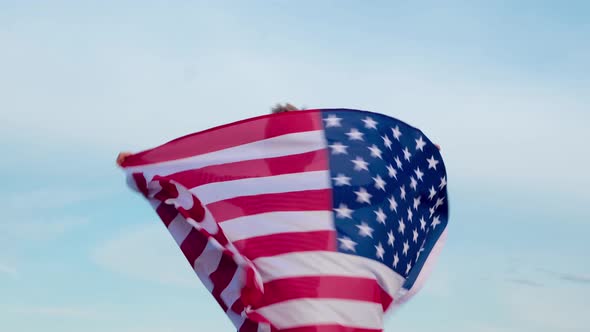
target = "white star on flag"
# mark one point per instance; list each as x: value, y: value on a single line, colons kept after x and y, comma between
x: 391, y: 171
x: 360, y: 164
x: 355, y: 135
x: 381, y: 216
x: 370, y: 123
x: 435, y: 222
x: 396, y: 132
x: 413, y: 183
x: 379, y: 182
x: 392, y: 204
x: 420, y: 144
x: 407, y: 154
x: 347, y: 244
x: 402, y: 226
x: 342, y: 211
x: 406, y: 248
x: 432, y: 163
x: 338, y: 148
x: 380, y: 251
x: 365, y: 230
x: 443, y: 182
x: 439, y: 202
x: 332, y: 121
x: 386, y: 141
x: 419, y: 174
x: 416, y: 203
x: 432, y: 193
x: 341, y: 180
x: 390, y: 238
x: 375, y: 151
x: 398, y: 163
x: 363, y: 196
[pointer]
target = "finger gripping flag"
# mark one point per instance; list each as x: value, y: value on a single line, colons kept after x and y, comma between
x: 316, y: 220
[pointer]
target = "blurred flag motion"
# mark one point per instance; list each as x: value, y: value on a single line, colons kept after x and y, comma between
x: 317, y: 220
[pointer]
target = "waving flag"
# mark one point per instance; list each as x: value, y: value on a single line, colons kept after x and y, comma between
x: 316, y: 220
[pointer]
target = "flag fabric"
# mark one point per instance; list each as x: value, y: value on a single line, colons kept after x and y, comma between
x: 317, y: 220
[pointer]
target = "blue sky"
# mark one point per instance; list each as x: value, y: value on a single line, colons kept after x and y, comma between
x: 502, y: 86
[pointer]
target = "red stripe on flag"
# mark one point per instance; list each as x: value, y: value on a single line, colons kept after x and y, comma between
x: 226, y: 136
x: 193, y: 245
x: 306, y: 200
x: 249, y: 326
x: 238, y: 306
x: 222, y: 277
x: 167, y: 213
x: 310, y: 161
x: 334, y: 287
x: 326, y: 328
x: 141, y: 183
x: 196, y: 211
x: 277, y: 244
x: 386, y: 300
x: 168, y: 190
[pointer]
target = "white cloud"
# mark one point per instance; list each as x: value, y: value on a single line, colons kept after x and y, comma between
x: 164, y: 323
x: 527, y: 298
x: 525, y: 282
x: 489, y: 328
x: 39, y: 214
x: 578, y: 278
x: 56, y: 312
x: 556, y: 309
x: 8, y: 270
x: 464, y: 326
x: 41, y: 228
x: 186, y: 327
x: 494, y: 126
x: 520, y: 131
x: 48, y: 198
x: 146, y: 253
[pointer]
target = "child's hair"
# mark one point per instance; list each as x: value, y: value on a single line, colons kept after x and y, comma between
x: 278, y: 108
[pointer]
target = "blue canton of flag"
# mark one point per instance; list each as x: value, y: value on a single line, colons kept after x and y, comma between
x: 389, y: 189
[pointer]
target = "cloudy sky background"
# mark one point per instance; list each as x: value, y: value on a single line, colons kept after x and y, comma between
x: 503, y: 86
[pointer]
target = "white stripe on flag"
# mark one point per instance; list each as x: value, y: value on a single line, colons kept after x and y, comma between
x: 232, y: 292
x: 179, y: 229
x: 263, y: 327
x: 155, y: 203
x: 218, y: 191
x: 235, y: 318
x: 277, y: 222
x: 273, y: 147
x: 327, y: 263
x: 208, y: 262
x: 310, y: 312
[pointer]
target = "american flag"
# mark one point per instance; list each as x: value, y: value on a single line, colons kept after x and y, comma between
x: 317, y: 220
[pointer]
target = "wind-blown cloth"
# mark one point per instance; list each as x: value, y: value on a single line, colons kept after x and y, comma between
x: 316, y: 220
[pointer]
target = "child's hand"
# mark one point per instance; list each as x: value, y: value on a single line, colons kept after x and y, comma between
x: 121, y: 157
